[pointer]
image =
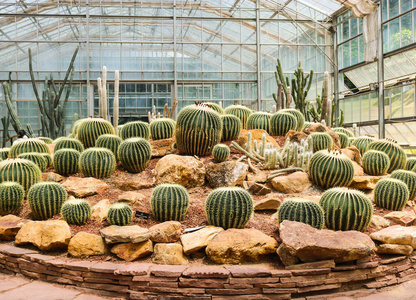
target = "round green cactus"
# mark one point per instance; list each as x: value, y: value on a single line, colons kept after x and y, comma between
x: 409, y: 178
x: 47, y: 140
x: 109, y: 141
x: 74, y: 131
x: 66, y: 161
x: 119, y: 214
x: 135, y: 154
x: 90, y: 129
x: 375, y: 162
x: 4, y: 153
x: 300, y: 119
x: 346, y: 209
x: 215, y: 107
x: 343, y: 139
x: 28, y: 145
x: 120, y: 127
x: 343, y: 130
x: 393, y: 150
x: 68, y: 143
x: 330, y: 169
x: 231, y: 127
x: 321, y: 141
x: 36, y: 158
x: 351, y: 140
x: 282, y: 123
x: 97, y: 162
x: 135, y: 129
x: 76, y: 211
x: 48, y: 158
x: 162, y: 128
x: 229, y: 207
x: 46, y: 199
x: 221, y: 152
x: 391, y: 194
x: 169, y: 202
x: 20, y: 170
x: 306, y: 125
x: 301, y: 210
x: 11, y: 197
x: 362, y: 143
x: 410, y: 163
x: 259, y: 120
x: 240, y: 112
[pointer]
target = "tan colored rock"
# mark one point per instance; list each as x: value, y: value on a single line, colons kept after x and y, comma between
x: 396, y: 235
x: 401, y: 217
x: 296, y: 136
x: 256, y: 134
x: 166, y: 232
x: 365, y: 182
x: 315, y: 127
x: 256, y: 188
x: 227, y: 173
x: 296, y: 182
x: 133, y: 251
x: 261, y: 176
x: 353, y: 153
x: 358, y: 170
x: 134, y: 182
x: 271, y: 202
x: 168, y: 254
x: 235, y: 246
x: 162, y: 147
x: 10, y: 226
x: 378, y: 222
x: 285, y: 257
x: 335, y: 139
x: 199, y: 239
x: 185, y: 170
x: 131, y: 198
x: 100, y: 210
x: 124, y: 234
x: 85, y: 244
x: 84, y: 187
x: 51, y: 176
x: 46, y: 235
x: 51, y: 148
x: 394, y: 249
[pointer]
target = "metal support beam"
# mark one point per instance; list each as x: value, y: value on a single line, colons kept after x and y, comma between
x: 258, y: 54
x: 90, y: 91
x: 380, y: 75
x: 335, y: 69
x: 175, y: 58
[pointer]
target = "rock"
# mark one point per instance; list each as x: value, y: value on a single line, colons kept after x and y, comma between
x: 133, y: 251
x: 286, y: 258
x: 199, y: 239
x: 46, y: 235
x: 86, y: 244
x: 227, y: 173
x: 310, y: 244
x: 261, y: 176
x: 168, y: 254
x: 166, y: 232
x: 134, y: 182
x: 162, y: 147
x: 335, y: 139
x: 272, y: 202
x: 353, y: 153
x: 296, y: 182
x: 256, y: 188
x: 358, y: 170
x: 10, y: 226
x: 84, y: 187
x: 296, y: 136
x: 234, y: 246
x: 394, y: 249
x: 131, y: 198
x: 100, y: 210
x: 396, y: 235
x: 401, y: 217
x: 51, y: 148
x: 315, y: 127
x: 378, y: 222
x: 256, y: 134
x: 275, y: 217
x: 365, y: 182
x: 124, y: 234
x: 185, y: 170
x: 51, y: 176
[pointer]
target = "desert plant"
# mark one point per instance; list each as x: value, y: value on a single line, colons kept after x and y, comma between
x: 301, y: 210
x: 169, y: 202
x: 135, y: 154
x: 221, y: 152
x: 259, y: 120
x: 75, y: 126
x: 47, y: 140
x: 281, y: 123
x: 68, y: 143
x: 409, y: 178
x: 11, y: 197
x: 231, y: 127
x: 76, y: 211
x: 109, y: 141
x: 135, y: 129
x: 320, y: 141
x: 410, y: 163
x: 20, y: 170
x: 343, y: 139
x: 393, y: 150
x: 362, y: 143
x: 36, y: 158
x: 119, y: 214
x: 344, y: 131
x: 391, y: 194
x: 4, y: 153
x: 214, y: 106
x: 48, y: 159
x: 300, y: 119
x: 97, y: 162
x: 28, y: 145
x: 240, y: 112
x: 90, y: 129
x: 66, y: 161
x: 375, y: 162
x: 162, y: 128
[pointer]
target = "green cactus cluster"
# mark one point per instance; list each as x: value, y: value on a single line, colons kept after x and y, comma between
x: 36, y: 158
x: 74, y: 131
x: 109, y: 141
x: 68, y: 143
x: 343, y: 140
x: 76, y: 211
x: 119, y: 214
x: 90, y: 129
x: 346, y: 209
x: 362, y: 143
x: 11, y: 197
x: 259, y: 120
x: 393, y: 150
x: 66, y: 161
x: 301, y: 210
x: 47, y: 140
x: 46, y: 199
x: 20, y: 170
x: 48, y: 158
x: 135, y: 154
x: 344, y: 131
x: 281, y: 123
x: 215, y: 107
x: 162, y: 128
x: 4, y: 153
x: 240, y: 112
x: 169, y: 202
x: 135, y: 129
x: 375, y: 162
x: 221, y: 152
x: 391, y: 194
x: 409, y: 178
x: 28, y: 145
x: 231, y: 127
x: 300, y: 119
x: 351, y: 140
x: 410, y: 163
x: 320, y: 141
x: 97, y: 162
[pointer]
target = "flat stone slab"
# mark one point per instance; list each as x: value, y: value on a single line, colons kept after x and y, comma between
x: 10, y: 226
x: 125, y: 234
x: 396, y: 235
x: 84, y: 187
x: 8, y: 282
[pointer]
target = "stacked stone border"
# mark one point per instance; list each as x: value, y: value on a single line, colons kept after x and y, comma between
x: 149, y: 281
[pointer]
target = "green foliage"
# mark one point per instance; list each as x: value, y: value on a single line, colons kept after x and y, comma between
x: 162, y: 128
x: 301, y: 210
x: 20, y: 170
x: 410, y: 163
x: 215, y: 107
x: 394, y: 152
x: 221, y: 152
x: 97, y: 162
x: 300, y: 119
x: 240, y: 112
x: 28, y: 145
x: 343, y: 139
x: 259, y: 120
x: 320, y: 141
x: 169, y: 202
x: 119, y: 214
x: 75, y: 126
x: 135, y: 154
x: 282, y: 123
x: 4, y: 153
x: 409, y: 178
x: 76, y: 211
x: 231, y: 127
x: 343, y: 130
x: 109, y: 141
x: 66, y: 161
x: 36, y: 158
x: 391, y: 194
x: 90, y: 129
x: 135, y: 129
x: 68, y: 143
x: 48, y: 158
x: 46, y: 140
x: 375, y: 162
x: 11, y: 197
x: 362, y: 143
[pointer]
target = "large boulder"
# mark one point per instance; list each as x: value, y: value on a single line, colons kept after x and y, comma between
x: 133, y: 182
x: 296, y: 136
x: 358, y: 170
x: 227, y: 173
x: 10, y: 226
x: 378, y: 222
x: 365, y: 182
x: 100, y: 210
x: 185, y: 170
x: 310, y: 244
x: 168, y: 254
x: 162, y: 147
x: 133, y: 251
x: 124, y: 234
x: 296, y: 182
x: 85, y: 244
x: 166, y: 232
x: 84, y: 187
x: 131, y: 198
x: 394, y: 249
x: 256, y: 135
x: 396, y: 235
x: 256, y: 188
x: 401, y: 217
x: 197, y: 240
x: 353, y: 153
x: 271, y: 202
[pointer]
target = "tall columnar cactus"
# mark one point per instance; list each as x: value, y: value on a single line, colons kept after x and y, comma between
x: 362, y: 143
x: 12, y: 115
x: 343, y: 139
x: 300, y: 119
x: 102, y: 94
x: 330, y: 169
x: 393, y: 150
x: 47, y: 140
x: 46, y: 199
x: 240, y: 112
x: 391, y: 194
x: 214, y: 106
x: 119, y: 214
x: 375, y: 163
x: 76, y: 211
x: 116, y: 101
x: 169, y: 202
x: 135, y: 154
x: 135, y: 129
x: 259, y: 120
x: 20, y: 170
x: 344, y: 131
x: 410, y: 163
x: 28, y: 145
x: 35, y: 157
x: 109, y: 141
x: 231, y: 127
x: 48, y: 158
x: 409, y: 178
x: 198, y: 130
x: 4, y: 153
x: 162, y: 128
x: 68, y: 143
x: 346, y: 209
x: 221, y: 152
x: 229, y: 207
x: 66, y: 161
x: 11, y: 197
x: 97, y: 162
x: 320, y: 141
x: 301, y: 210
x: 90, y: 129
x: 281, y: 123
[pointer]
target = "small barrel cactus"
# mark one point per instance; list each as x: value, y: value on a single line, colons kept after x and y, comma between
x: 343, y: 139
x: 90, y: 129
x: 11, y: 197
x: 48, y: 158
x: 231, y: 127
x: 97, y: 162
x: 346, y: 209
x: 76, y: 211
x: 135, y: 129
x: 391, y: 194
x: 229, y: 207
x: 259, y: 120
x: 214, y: 106
x: 410, y: 163
x: 375, y: 162
x: 109, y: 141
x: 409, y: 178
x: 300, y: 119
x: 301, y: 210
x: 66, y: 161
x: 321, y: 141
x: 393, y: 150
x: 343, y: 130
x: 221, y: 152
x: 68, y: 143
x: 20, y: 170
x: 169, y: 202
x: 135, y: 154
x: 4, y: 153
x: 362, y: 143
x: 162, y: 128
x: 46, y: 199
x: 119, y: 214
x: 47, y: 140
x: 281, y: 123
x: 36, y: 158
x: 240, y: 112
x: 28, y: 145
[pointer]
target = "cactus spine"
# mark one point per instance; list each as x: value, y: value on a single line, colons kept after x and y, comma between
x: 410, y: 163
x: 300, y: 119
x: 215, y: 107
x: 394, y: 152
x: 66, y: 161
x: 68, y: 143
x: 11, y: 197
x: 20, y: 170
x: 4, y: 153
x: 109, y: 141
x: 135, y: 129
x: 375, y: 162
x: 343, y: 139
x: 46, y: 199
x: 362, y: 143
x: 259, y: 120
x: 409, y: 178
x: 47, y: 140
x: 231, y: 127
x: 221, y: 152
x: 301, y: 210
x: 119, y: 214
x: 240, y: 112
x: 97, y: 162
x: 281, y: 123
x: 90, y: 129
x: 162, y: 128
x: 36, y: 158
x: 135, y: 154
x: 343, y: 130
x: 48, y: 158
x: 169, y: 202
x: 391, y: 194
x: 320, y: 141
x: 28, y: 145
x: 76, y: 211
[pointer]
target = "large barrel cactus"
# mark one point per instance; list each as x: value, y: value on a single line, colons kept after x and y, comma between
x: 48, y: 158
x: 74, y: 131
x: 68, y: 143
x: 198, y: 130
x: 375, y: 162
x: 28, y: 145
x: 231, y: 127
x: 301, y: 210
x: 135, y: 154
x: 300, y: 119
x: 391, y: 194
x: 90, y: 129
x: 259, y: 120
x: 46, y: 199
x: 221, y: 152
x: 66, y: 161
x: 47, y: 140
x: 409, y: 178
x: 240, y: 112
x: 109, y: 141
x: 394, y: 152
x: 169, y: 202
x: 76, y: 211
x: 410, y: 163
x: 344, y: 131
x: 346, y: 209
x: 4, y: 153
x: 343, y: 139
x: 20, y: 170
x: 321, y: 141
x: 119, y: 214
x: 11, y: 197
x: 97, y: 162
x: 362, y: 143
x: 36, y: 158
x: 215, y: 107
x: 229, y: 207
x: 162, y: 128
x: 135, y: 129
x: 282, y: 123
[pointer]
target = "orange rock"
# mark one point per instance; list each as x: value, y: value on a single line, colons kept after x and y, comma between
x: 296, y: 136
x: 296, y: 182
x: 162, y: 147
x: 83, y: 187
x: 256, y: 134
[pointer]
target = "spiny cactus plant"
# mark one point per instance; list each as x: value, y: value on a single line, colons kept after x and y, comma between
x: 11, y: 197
x: 409, y: 178
x: 221, y: 152
x: 281, y: 123
x: 47, y: 140
x: 48, y: 158
x: 20, y: 170
x: 120, y: 127
x: 76, y: 211
x: 119, y: 214
x: 4, y: 153
x: 344, y: 131
x: 394, y: 152
x: 300, y: 119
x: 97, y: 162
x: 320, y: 141
x: 74, y: 131
x: 198, y: 130
x: 410, y: 163
x: 391, y: 194
x: 301, y: 210
x: 135, y: 129
x: 68, y: 143
x: 375, y: 162
x: 90, y: 129
x: 306, y: 125
x: 109, y: 141
x: 215, y: 107
x: 351, y: 140
x: 66, y: 161
x: 362, y: 143
x: 35, y: 157
x: 346, y: 209
x: 240, y: 112
x: 135, y: 154
x: 231, y: 127
x: 259, y: 120
x: 162, y: 128
x: 330, y: 169
x: 46, y: 199
x: 169, y: 202
x: 343, y: 139
x: 229, y: 207
x: 28, y: 145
